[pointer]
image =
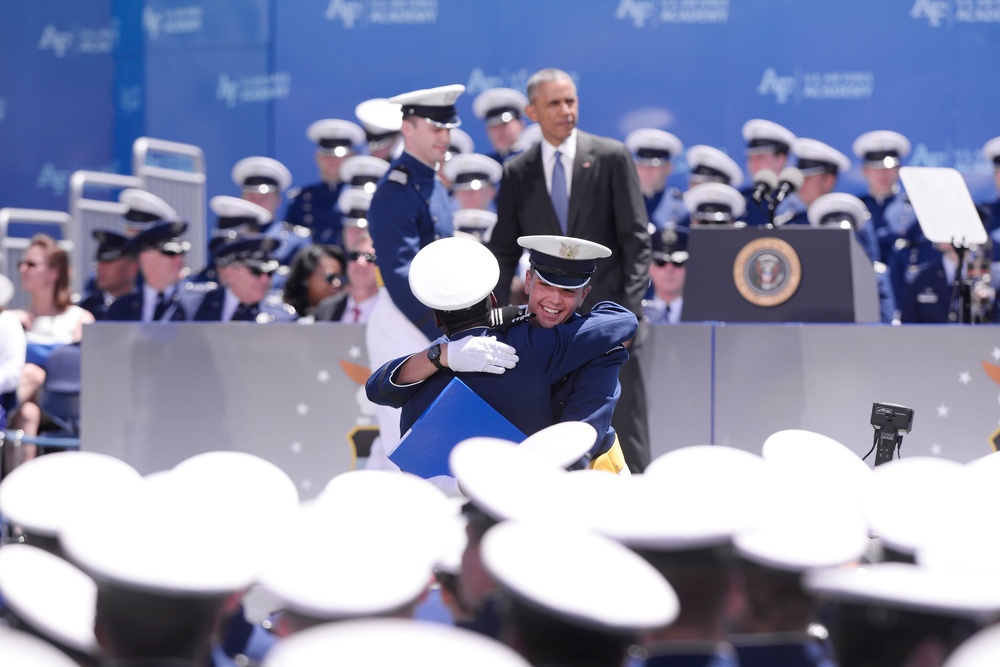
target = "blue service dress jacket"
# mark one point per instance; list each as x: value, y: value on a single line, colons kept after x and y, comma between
x: 666, y: 208
x: 409, y: 210
x: 785, y: 649
x: 315, y: 208
x: 891, y: 219
x: 266, y: 311
x: 523, y: 394
x: 183, y: 304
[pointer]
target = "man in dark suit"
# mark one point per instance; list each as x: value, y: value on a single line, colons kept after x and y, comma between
x: 595, y: 195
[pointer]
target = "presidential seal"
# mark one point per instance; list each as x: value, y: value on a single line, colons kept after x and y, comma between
x: 767, y: 272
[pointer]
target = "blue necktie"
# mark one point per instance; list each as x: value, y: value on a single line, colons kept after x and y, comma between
x: 560, y: 200
x: 162, y: 303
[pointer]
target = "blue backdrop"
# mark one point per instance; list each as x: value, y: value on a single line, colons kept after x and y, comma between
x: 80, y: 81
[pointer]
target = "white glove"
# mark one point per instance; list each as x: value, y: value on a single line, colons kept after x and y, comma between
x: 480, y: 354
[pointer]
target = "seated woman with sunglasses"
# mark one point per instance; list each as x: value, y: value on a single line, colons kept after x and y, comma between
x: 355, y: 304
x: 49, y: 321
x: 317, y: 272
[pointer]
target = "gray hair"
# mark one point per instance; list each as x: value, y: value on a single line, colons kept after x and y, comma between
x: 548, y: 75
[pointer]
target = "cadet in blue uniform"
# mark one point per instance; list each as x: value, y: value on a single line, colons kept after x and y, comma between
x: 235, y: 217
x: 882, y: 153
x: 583, y: 377
x: 522, y: 393
x: 840, y: 210
x: 714, y: 204
x: 930, y: 296
x: 710, y: 165
x: 353, y: 204
x: 474, y: 178
x: 653, y: 151
x: 263, y: 181
x: 475, y: 223
x: 666, y: 275
x: 410, y: 208
x: 820, y: 164
x: 116, y: 274
x: 163, y: 298
x: 245, y: 267
x: 381, y: 121
x: 768, y: 145
x: 502, y: 110
x: 315, y: 206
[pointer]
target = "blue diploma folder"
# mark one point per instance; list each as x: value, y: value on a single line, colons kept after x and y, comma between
x: 456, y: 414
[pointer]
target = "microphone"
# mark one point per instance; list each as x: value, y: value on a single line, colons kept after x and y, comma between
x: 789, y: 180
x: 764, y: 181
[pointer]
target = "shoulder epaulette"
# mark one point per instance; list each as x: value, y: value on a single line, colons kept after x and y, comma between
x: 399, y: 175
x: 506, y: 317
x: 293, y: 193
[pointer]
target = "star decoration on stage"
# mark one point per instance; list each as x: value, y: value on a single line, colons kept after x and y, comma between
x: 996, y: 354
x: 965, y: 377
x: 306, y: 484
x: 354, y: 352
x: 935, y: 449
x: 323, y: 376
x: 942, y: 410
x: 302, y: 409
x: 296, y: 447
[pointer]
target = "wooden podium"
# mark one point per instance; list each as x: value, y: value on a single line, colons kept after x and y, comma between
x: 794, y: 274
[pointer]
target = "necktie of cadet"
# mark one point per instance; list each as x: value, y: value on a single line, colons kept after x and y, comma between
x: 162, y: 303
x: 355, y: 314
x: 560, y: 200
x: 242, y: 313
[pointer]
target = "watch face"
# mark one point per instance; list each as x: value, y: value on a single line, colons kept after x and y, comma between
x: 434, y: 354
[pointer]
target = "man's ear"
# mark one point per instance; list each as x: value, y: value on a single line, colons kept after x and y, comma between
x: 531, y: 112
x: 493, y: 300
x: 584, y: 292
x: 438, y: 322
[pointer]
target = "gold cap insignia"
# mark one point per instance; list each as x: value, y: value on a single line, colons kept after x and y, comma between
x: 568, y: 251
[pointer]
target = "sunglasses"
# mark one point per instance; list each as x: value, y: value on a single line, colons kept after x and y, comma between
x: 26, y: 263
x: 663, y: 261
x: 367, y: 256
x: 257, y: 272
x: 335, y: 279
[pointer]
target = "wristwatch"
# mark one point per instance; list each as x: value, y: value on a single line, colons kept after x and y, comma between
x: 434, y: 355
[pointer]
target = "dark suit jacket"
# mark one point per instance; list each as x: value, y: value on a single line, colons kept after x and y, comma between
x: 331, y: 309
x: 605, y: 206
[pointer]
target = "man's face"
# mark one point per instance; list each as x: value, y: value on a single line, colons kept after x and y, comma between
x: 554, y: 108
x: 504, y: 135
x: 425, y: 141
x: 773, y: 161
x: 816, y: 186
x: 329, y: 166
x: 552, y: 305
x: 668, y: 280
x: 880, y: 181
x: 360, y: 270
x: 116, y: 277
x: 653, y: 179
x: 160, y: 270
x: 270, y: 199
x: 480, y: 198
x: 247, y: 286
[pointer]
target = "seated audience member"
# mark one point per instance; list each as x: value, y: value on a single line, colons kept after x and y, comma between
x: 713, y: 203
x: 652, y: 151
x: 49, y: 321
x: 502, y: 111
x: 116, y: 274
x: 476, y: 223
x: 767, y: 147
x: 932, y: 296
x: 317, y: 273
x: 845, y: 211
x: 234, y: 216
x: 362, y: 172
x: 820, y: 165
x: 666, y: 273
x: 245, y: 267
x: 882, y: 153
x: 381, y: 121
x: 354, y: 203
x: 314, y: 206
x: 12, y: 350
x: 163, y: 298
x: 474, y: 178
x: 355, y: 303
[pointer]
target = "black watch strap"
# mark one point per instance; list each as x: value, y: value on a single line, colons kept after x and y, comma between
x: 434, y: 355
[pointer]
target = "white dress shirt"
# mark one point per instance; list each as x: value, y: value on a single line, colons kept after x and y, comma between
x: 568, y: 154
